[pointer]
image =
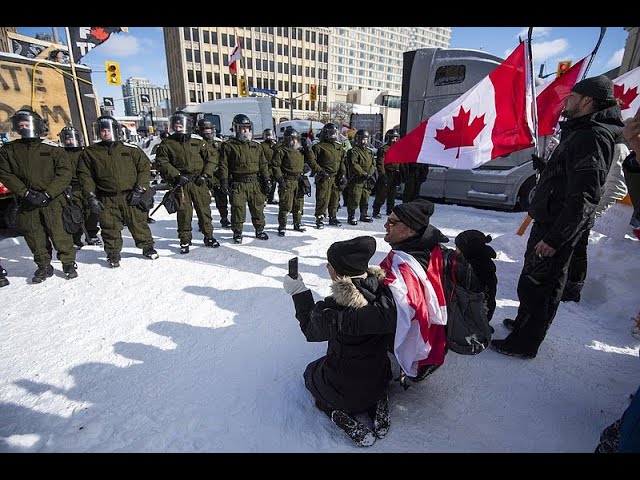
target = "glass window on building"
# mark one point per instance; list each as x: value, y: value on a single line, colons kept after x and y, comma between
x: 271, y: 47
x: 190, y: 76
x: 294, y: 88
x: 226, y: 79
x: 209, y: 96
x: 307, y: 36
x: 279, y: 67
x: 299, y: 52
x: 300, y: 36
x: 207, y: 58
x: 300, y: 70
x: 216, y: 59
x: 307, y: 71
x: 192, y: 96
x: 279, y: 31
x: 264, y: 46
x: 209, y: 78
x: 214, y: 38
x: 280, y: 85
x: 259, y: 82
x: 257, y: 47
x: 195, y: 35
x: 313, y: 37
x: 308, y: 104
x: 196, y: 54
x: 258, y: 65
x: 279, y: 49
x: 272, y: 67
x: 286, y: 69
x: 450, y: 74
x: 300, y: 87
x: 205, y: 36
x: 272, y: 84
x: 286, y: 50
x: 285, y: 31
x: 189, y: 55
x: 294, y: 34
x: 224, y: 40
x: 187, y: 33
x: 198, y: 76
x: 307, y: 54
x: 216, y: 76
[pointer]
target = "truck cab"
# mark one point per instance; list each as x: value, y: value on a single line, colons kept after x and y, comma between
x: 432, y: 79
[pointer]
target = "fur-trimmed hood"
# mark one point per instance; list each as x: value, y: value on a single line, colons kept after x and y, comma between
x: 357, y: 292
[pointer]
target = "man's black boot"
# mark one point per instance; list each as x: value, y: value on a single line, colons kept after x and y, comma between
x: 69, y: 270
x: 42, y: 273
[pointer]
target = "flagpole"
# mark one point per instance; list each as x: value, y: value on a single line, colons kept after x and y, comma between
x: 76, y: 86
x: 603, y: 30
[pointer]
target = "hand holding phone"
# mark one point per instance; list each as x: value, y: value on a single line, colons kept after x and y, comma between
x: 293, y: 268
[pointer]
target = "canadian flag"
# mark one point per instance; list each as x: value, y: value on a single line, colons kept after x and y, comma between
x: 236, y: 55
x: 550, y: 96
x: 625, y: 88
x: 421, y: 308
x: 492, y: 119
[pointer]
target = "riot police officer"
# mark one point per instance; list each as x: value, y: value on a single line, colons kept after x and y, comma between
x: 268, y: 146
x: 188, y: 161
x: 362, y: 178
x: 327, y: 161
x: 72, y: 141
x: 115, y: 178
x: 245, y: 166
x: 207, y: 130
x: 288, y: 167
x: 386, y: 189
x: 38, y: 171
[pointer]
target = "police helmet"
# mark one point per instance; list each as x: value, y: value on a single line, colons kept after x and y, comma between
x: 292, y: 139
x: 180, y: 122
x: 107, y: 129
x: 28, y: 124
x: 70, y: 137
x: 206, y: 125
x: 391, y: 136
x: 362, y: 138
x: 329, y: 132
x: 268, y: 134
x: 239, y: 123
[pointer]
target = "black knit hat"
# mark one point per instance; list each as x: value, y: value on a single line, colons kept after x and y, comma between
x: 473, y: 243
x: 600, y: 88
x: 351, y: 257
x: 415, y: 214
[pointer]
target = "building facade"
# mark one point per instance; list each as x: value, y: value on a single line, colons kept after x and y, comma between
x: 159, y: 98
x: 291, y: 61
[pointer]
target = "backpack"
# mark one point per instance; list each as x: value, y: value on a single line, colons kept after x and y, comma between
x: 468, y: 329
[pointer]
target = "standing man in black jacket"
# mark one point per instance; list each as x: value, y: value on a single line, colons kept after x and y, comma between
x: 563, y: 208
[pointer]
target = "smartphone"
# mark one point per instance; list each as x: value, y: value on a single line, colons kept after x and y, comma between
x: 293, y: 267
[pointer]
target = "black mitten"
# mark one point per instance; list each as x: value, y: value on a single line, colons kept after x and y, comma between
x: 37, y: 199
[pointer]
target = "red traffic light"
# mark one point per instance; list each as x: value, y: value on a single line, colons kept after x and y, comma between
x: 563, y: 67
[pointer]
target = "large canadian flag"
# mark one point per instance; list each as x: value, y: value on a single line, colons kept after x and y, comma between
x: 492, y: 119
x: 625, y: 88
x: 236, y: 55
x: 550, y: 97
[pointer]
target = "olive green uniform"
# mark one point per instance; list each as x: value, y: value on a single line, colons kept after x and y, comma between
x: 288, y: 165
x: 327, y: 157
x: 111, y: 172
x: 90, y: 218
x: 388, y: 181
x: 361, y: 166
x: 190, y: 157
x: 241, y: 163
x: 413, y: 174
x: 43, y: 166
x: 268, y: 146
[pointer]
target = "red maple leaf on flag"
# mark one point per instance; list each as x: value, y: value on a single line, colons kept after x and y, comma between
x: 463, y: 133
x: 99, y: 33
x: 627, y: 97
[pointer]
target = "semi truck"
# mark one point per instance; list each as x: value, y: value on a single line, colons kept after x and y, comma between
x: 432, y: 79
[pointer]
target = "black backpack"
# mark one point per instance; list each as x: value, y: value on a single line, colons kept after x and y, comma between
x: 468, y: 329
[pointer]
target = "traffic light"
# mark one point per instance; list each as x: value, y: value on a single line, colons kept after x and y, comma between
x: 242, y: 87
x: 563, y: 67
x: 313, y: 92
x: 113, y: 72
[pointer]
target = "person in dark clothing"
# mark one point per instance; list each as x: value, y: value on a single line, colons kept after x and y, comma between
x: 3, y: 277
x: 38, y: 171
x: 413, y: 175
x: 354, y: 374
x: 473, y: 245
x: 268, y: 146
x: 563, y: 208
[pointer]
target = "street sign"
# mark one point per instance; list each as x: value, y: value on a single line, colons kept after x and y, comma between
x: 144, y: 98
x: 108, y: 102
x: 263, y: 90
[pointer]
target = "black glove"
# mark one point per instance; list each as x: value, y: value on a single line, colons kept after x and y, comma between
x: 224, y: 186
x: 180, y: 180
x: 282, y: 185
x: 321, y: 175
x: 37, y: 199
x: 201, y: 180
x: 342, y: 183
x: 266, y: 186
x: 538, y: 162
x: 135, y: 195
x: 95, y: 205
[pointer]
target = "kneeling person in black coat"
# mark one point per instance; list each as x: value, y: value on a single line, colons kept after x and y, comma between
x: 353, y: 376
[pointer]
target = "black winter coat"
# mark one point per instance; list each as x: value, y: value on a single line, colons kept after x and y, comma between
x: 571, y: 184
x: 355, y: 372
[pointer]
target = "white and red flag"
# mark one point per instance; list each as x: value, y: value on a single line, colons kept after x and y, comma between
x: 492, y: 119
x: 421, y: 308
x: 236, y: 55
x: 627, y: 88
x: 550, y: 96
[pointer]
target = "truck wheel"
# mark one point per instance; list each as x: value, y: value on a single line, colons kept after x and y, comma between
x: 525, y: 195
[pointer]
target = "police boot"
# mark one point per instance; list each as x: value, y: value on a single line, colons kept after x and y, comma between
x: 351, y: 220
x: 3, y: 278
x: 42, y: 273
x: 150, y: 253
x: 93, y: 240
x: 320, y: 222
x: 69, y: 270
x: 114, y: 260
x: 210, y: 241
x: 281, y: 232
x: 334, y: 222
x: 237, y: 238
x: 224, y: 222
x: 366, y: 218
x: 184, y: 247
x: 299, y: 228
x: 261, y: 235
x: 376, y: 213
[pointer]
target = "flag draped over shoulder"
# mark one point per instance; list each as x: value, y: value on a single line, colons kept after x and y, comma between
x: 422, y: 313
x: 550, y: 96
x: 83, y: 39
x: 627, y: 88
x: 236, y: 55
x: 492, y: 119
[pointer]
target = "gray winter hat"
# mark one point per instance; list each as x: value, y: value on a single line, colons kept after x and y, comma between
x: 600, y: 88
